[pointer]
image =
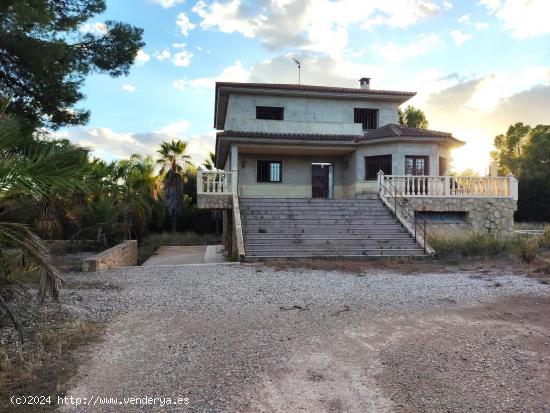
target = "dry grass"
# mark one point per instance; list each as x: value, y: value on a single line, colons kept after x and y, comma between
x: 44, y: 365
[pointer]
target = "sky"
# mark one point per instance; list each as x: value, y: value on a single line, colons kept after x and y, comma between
x: 477, y: 66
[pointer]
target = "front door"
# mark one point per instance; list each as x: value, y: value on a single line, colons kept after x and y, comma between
x: 321, y: 180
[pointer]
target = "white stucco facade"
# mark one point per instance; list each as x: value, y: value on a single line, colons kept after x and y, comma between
x: 304, y: 115
x: 303, y: 137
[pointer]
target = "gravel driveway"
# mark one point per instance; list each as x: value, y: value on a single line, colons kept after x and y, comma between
x: 249, y: 338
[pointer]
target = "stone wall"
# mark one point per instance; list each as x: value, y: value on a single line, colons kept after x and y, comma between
x: 214, y: 201
x: 494, y: 215
x: 124, y: 254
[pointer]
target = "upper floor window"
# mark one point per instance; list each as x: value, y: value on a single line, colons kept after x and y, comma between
x: 270, y: 112
x: 367, y: 117
x: 270, y: 171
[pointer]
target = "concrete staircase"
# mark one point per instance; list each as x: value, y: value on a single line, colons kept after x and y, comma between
x: 291, y: 227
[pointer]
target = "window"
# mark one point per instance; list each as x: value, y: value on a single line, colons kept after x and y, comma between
x: 417, y: 165
x: 367, y: 117
x: 442, y: 166
x: 373, y: 164
x: 270, y: 171
x: 270, y: 112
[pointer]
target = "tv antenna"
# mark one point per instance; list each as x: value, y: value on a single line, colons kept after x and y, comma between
x: 299, y: 69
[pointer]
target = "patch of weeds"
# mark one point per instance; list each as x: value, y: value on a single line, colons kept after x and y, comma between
x: 485, y: 245
x: 43, y: 365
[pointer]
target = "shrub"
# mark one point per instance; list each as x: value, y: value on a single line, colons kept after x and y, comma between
x: 529, y: 249
x: 472, y: 244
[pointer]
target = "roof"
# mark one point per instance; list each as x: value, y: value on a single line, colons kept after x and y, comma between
x: 393, y: 130
x: 287, y: 136
x: 390, y: 132
x: 224, y: 89
x: 313, y: 88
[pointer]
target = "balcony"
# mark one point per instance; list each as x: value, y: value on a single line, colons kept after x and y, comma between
x: 215, y: 189
x: 448, y: 186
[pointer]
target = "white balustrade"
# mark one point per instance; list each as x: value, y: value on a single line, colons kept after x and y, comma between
x: 214, y: 182
x: 459, y: 186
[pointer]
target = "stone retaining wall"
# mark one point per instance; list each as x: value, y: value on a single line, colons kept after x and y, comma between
x: 494, y: 215
x: 214, y: 201
x: 124, y: 254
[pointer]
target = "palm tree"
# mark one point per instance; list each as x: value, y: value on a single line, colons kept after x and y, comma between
x: 173, y: 161
x: 210, y: 162
x: 34, y: 169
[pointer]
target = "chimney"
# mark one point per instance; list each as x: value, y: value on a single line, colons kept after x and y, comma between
x: 365, y: 82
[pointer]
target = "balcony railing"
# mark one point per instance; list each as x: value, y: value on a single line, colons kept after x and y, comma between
x: 450, y: 186
x: 214, y: 183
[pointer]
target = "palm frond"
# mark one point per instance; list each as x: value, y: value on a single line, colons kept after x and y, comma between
x: 28, y: 241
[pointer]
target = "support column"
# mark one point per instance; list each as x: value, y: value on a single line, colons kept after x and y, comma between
x: 234, y: 158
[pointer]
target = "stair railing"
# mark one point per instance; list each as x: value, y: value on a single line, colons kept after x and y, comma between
x: 404, y: 211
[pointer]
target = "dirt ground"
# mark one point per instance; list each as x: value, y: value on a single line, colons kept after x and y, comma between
x: 493, y: 357
x: 319, y: 336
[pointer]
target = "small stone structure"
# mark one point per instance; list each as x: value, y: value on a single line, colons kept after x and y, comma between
x: 124, y: 254
x: 494, y: 215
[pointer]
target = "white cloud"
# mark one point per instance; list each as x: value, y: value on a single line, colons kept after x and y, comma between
x: 98, y: 28
x: 184, y: 24
x: 167, y: 3
x: 163, y: 55
x: 142, y: 57
x: 176, y: 129
x: 128, y: 88
x: 178, y: 45
x: 491, y: 5
x: 481, y: 25
x: 460, y: 38
x: 180, y: 84
x: 182, y: 59
x: 447, y: 5
x: 465, y: 19
x: 420, y: 45
x: 109, y: 144
x: 233, y: 73
x: 526, y: 18
x: 320, y: 25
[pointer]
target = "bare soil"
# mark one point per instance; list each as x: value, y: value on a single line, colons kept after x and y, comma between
x: 491, y: 357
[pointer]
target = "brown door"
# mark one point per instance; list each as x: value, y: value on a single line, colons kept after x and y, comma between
x: 320, y: 181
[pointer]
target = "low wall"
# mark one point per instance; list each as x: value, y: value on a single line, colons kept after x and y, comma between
x: 494, y: 215
x: 122, y: 255
x: 214, y: 201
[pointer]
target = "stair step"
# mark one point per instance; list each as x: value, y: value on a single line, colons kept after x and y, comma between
x: 337, y: 253
x: 276, y: 228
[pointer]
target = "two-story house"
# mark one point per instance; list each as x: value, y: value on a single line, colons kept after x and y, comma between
x: 334, y: 163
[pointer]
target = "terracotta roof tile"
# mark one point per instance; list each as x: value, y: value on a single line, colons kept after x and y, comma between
x: 312, y: 88
x: 392, y: 131
x: 289, y: 136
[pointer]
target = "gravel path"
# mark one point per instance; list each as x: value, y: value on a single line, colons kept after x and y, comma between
x: 249, y: 338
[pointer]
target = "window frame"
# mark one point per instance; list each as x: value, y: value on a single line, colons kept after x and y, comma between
x: 425, y: 172
x: 270, y: 115
x: 363, y: 122
x: 259, y: 175
x: 381, y: 159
